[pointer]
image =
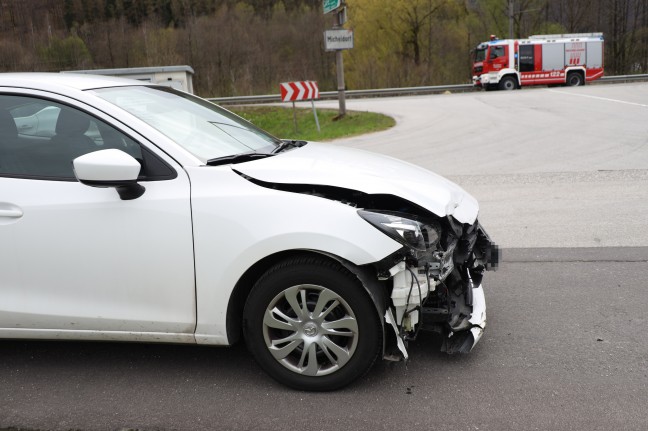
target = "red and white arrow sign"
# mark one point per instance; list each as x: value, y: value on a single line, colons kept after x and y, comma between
x: 299, y: 90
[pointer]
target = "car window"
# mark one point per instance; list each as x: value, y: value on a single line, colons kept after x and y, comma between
x: 527, y: 58
x: 40, y: 138
x: 480, y: 54
x: 202, y: 128
x: 496, y: 51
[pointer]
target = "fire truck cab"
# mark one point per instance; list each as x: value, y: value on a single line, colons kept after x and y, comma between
x: 553, y: 59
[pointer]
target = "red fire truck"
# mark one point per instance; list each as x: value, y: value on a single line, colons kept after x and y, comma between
x: 553, y: 59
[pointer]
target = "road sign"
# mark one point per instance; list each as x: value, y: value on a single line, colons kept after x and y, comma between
x: 331, y: 5
x: 338, y: 39
x: 299, y: 90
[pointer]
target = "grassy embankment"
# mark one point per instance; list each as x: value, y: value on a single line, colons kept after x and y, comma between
x: 279, y: 122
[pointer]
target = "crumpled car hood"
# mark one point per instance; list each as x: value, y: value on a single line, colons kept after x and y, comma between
x: 326, y: 164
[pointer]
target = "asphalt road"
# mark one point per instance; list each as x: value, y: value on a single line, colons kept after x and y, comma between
x: 561, y: 167
x: 566, y: 349
x: 562, y: 179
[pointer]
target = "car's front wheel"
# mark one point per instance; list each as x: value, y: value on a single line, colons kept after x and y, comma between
x: 311, y: 325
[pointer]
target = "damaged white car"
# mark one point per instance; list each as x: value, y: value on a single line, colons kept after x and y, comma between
x: 147, y: 214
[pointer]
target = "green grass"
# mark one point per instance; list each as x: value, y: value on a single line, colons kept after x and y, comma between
x: 278, y: 121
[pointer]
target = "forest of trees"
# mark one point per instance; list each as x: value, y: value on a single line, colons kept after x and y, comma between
x: 240, y: 47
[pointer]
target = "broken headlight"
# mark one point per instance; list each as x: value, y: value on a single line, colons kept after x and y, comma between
x: 411, y: 233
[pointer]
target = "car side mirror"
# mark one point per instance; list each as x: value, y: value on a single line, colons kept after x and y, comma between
x: 110, y: 168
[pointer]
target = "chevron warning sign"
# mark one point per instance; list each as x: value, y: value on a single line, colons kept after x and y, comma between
x: 299, y: 90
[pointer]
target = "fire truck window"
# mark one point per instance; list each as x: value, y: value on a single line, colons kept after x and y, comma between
x: 527, y: 61
x: 496, y: 51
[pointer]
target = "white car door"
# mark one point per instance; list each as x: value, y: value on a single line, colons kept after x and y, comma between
x: 78, y: 261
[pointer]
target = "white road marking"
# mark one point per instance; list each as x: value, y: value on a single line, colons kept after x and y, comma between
x: 600, y: 98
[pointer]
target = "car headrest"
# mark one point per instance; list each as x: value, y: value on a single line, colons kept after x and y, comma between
x: 71, y: 122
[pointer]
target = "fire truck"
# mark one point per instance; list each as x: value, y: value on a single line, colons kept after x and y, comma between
x: 552, y: 59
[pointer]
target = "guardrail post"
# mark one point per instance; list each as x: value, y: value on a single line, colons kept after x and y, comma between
x: 315, y: 115
x: 294, y: 116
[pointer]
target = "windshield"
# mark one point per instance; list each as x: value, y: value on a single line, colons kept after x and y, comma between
x: 480, y: 54
x: 202, y: 128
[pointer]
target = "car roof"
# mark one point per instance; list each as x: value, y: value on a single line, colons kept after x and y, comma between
x: 55, y: 81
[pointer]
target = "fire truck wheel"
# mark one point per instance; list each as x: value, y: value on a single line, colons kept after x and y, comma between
x: 507, y: 83
x: 574, y: 79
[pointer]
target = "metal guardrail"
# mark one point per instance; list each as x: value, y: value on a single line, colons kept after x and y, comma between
x: 623, y: 78
x: 402, y: 91
x: 350, y: 94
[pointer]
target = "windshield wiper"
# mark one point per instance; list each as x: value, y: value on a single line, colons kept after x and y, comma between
x: 237, y: 158
x: 286, y: 143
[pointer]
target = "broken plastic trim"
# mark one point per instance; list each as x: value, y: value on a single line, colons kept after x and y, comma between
x: 391, y: 321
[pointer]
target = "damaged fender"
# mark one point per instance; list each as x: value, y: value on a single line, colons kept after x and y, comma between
x: 434, y: 282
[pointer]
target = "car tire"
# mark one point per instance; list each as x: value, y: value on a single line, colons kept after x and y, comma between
x: 574, y: 79
x: 507, y: 83
x: 311, y: 325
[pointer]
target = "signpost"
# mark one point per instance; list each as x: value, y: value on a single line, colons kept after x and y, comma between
x: 337, y: 40
x: 300, y: 90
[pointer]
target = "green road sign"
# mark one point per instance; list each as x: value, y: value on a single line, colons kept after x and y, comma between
x: 331, y: 5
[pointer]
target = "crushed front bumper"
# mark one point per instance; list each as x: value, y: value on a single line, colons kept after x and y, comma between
x: 464, y: 341
x: 478, y: 318
x: 442, y: 291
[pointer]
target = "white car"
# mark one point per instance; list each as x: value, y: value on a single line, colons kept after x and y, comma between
x: 147, y: 214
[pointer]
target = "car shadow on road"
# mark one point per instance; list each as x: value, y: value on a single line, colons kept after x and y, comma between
x: 115, y: 361
x: 161, y: 386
